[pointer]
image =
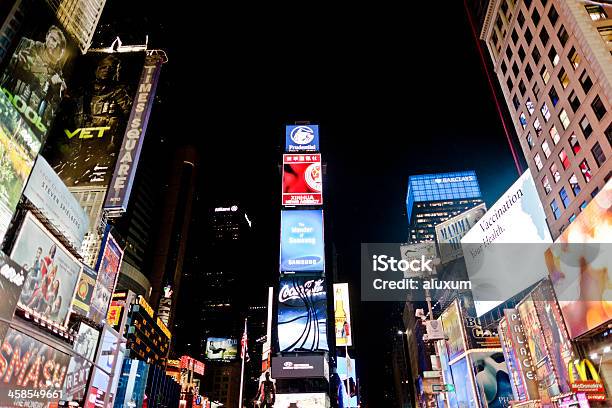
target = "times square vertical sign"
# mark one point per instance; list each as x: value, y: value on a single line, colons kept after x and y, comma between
x: 120, y: 187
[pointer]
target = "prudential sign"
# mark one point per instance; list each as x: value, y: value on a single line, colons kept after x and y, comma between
x: 302, y: 138
x: 302, y: 241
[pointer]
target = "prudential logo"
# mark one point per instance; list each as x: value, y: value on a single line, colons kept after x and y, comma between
x: 384, y: 263
x: 302, y: 135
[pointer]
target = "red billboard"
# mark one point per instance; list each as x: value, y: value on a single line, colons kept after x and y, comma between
x: 302, y: 179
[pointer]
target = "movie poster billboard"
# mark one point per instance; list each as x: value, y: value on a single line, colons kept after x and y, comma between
x: 581, y: 288
x: 342, y: 315
x: 80, y: 365
x: 345, y: 366
x: 302, y: 314
x: 492, y: 378
x: 89, y: 132
x: 302, y: 247
x: 452, y: 322
x: 31, y: 371
x: 301, y: 138
x: 450, y: 232
x: 302, y: 179
x: 108, y: 268
x: 84, y: 291
x: 221, y: 348
x: 51, y: 197
x: 12, y: 279
x: 302, y: 400
x: 508, y: 230
x: 464, y: 391
x: 52, y: 272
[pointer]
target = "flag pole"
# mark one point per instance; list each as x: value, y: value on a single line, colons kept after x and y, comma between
x: 243, y: 355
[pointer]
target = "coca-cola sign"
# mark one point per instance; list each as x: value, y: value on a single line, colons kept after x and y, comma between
x: 311, y: 287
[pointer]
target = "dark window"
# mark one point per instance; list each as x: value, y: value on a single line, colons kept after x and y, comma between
x: 527, y: 4
x: 528, y: 36
x: 555, y: 209
x: 594, y: 192
x: 508, y: 53
x: 598, y: 107
x: 536, y: 89
x: 514, y: 37
x: 536, y: 55
x: 586, y: 82
x: 504, y: 68
x: 521, y: 18
x: 563, y: 78
x: 544, y: 36
x: 515, y: 69
x: 586, y: 127
x: 562, y: 35
x: 598, y: 154
x: 553, y: 57
x: 521, y: 53
x: 528, y: 72
x: 510, y: 83
x: 553, y: 16
x: 529, y: 140
x: 574, y: 144
x: 516, y: 102
x: 535, y: 17
x: 544, y: 2
x: 609, y: 133
x: 554, y: 98
x: 574, y: 101
x: 522, y: 88
x: 504, y: 7
x: 564, y: 197
x: 574, y: 58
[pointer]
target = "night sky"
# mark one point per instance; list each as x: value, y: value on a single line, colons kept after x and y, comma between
x: 392, y: 97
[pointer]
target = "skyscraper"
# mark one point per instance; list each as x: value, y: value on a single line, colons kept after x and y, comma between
x: 553, y: 61
x: 434, y: 198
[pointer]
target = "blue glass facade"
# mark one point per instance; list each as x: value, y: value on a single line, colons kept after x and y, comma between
x: 441, y: 186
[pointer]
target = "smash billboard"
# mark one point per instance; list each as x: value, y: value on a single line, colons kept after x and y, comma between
x: 302, y: 247
x: 302, y: 179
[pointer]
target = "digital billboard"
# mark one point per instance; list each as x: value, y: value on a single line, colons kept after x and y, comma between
x: 507, y: 232
x: 447, y: 375
x: 342, y: 315
x: 450, y: 232
x: 345, y: 366
x: 108, y: 268
x: 28, y: 368
x: 12, y: 279
x: 302, y: 246
x: 52, y: 271
x: 51, y: 197
x: 300, y: 367
x: 147, y: 338
x: 302, y: 179
x: 221, y: 348
x: 79, y: 369
x: 452, y: 321
x: 302, y: 314
x: 302, y: 400
x: 301, y: 138
x: 464, y: 391
x: 89, y: 130
x: 84, y: 291
x: 579, y: 264
x: 492, y: 378
x: 132, y: 384
x: 411, y: 252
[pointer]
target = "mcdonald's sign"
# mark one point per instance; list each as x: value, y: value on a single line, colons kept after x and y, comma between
x: 588, y: 382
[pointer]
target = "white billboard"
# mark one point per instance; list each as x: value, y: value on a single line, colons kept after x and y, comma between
x: 498, y: 261
x: 450, y: 232
x: 342, y: 315
x: 302, y: 400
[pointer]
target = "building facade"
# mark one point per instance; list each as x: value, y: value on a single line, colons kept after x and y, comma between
x: 553, y: 61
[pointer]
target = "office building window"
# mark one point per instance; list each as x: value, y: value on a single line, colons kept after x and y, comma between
x: 537, y: 127
x: 552, y: 94
x: 585, y: 170
x: 553, y: 16
x: 536, y: 89
x: 606, y: 34
x: 529, y: 140
x: 522, y: 88
x: 545, y: 112
x: 530, y: 106
x: 553, y: 57
x: 563, y: 78
x: 574, y: 101
x: 527, y: 4
x: 528, y: 72
x: 564, y: 197
x: 504, y: 68
x: 574, y: 58
x: 536, y: 54
x: 515, y: 70
x: 572, y: 218
x: 546, y: 149
x: 573, y: 142
x: 544, y: 37
x: 565, y: 162
x: 583, y: 205
x: 523, y: 120
x: 535, y: 17
x: 555, y: 209
x: 554, y: 134
x: 562, y: 35
x: 514, y: 37
x: 598, y: 154
x: 573, y: 182
x: 586, y: 127
x: 555, y: 173
x: 509, y: 53
x: 516, y: 102
x: 521, y: 53
x: 609, y: 133
x: 594, y: 192
x: 538, y: 161
x: 546, y: 185
x: 564, y: 118
x: 598, y: 107
x: 596, y: 12
x: 545, y: 74
x: 528, y: 35
x: 586, y: 82
x: 510, y: 83
x: 520, y: 18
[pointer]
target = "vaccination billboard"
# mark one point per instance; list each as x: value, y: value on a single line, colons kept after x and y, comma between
x: 508, y: 231
x: 342, y: 315
x: 221, y: 348
x: 450, y: 232
x: 302, y: 247
x: 52, y: 272
x: 302, y: 314
x: 302, y: 179
x: 301, y: 138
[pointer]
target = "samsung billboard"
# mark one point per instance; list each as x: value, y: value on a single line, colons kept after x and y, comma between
x: 302, y: 247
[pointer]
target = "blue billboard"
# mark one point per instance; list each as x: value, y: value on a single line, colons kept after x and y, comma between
x: 342, y: 368
x: 302, y: 138
x: 302, y: 241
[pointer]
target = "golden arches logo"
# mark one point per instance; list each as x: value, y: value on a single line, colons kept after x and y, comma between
x: 581, y: 368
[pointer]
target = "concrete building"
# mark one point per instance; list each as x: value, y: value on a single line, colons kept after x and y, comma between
x: 553, y: 61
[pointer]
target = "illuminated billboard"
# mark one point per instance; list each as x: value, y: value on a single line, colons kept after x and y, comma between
x: 300, y: 367
x: 89, y: 130
x: 302, y: 179
x: 342, y: 315
x: 147, y: 338
x: 492, y: 378
x: 302, y: 138
x: 109, y: 264
x: 345, y: 366
x: 80, y: 365
x: 464, y: 391
x: 302, y: 400
x: 12, y: 279
x: 84, y: 291
x: 507, y: 232
x: 53, y: 271
x: 450, y: 232
x: 32, y: 366
x: 302, y: 247
x: 302, y: 314
x: 221, y: 348
x: 412, y: 252
x: 452, y: 321
x: 51, y: 197
x: 585, y: 302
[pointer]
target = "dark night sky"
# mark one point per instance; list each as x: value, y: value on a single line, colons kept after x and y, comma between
x: 392, y: 98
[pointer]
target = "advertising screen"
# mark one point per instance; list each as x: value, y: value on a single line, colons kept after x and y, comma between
x: 302, y: 248
x: 12, y: 279
x: 302, y: 314
x: 585, y: 302
x: 450, y: 232
x: 219, y: 348
x: 97, y: 389
x: 411, y: 252
x: 51, y: 197
x: 108, y: 268
x: 464, y: 391
x: 302, y: 179
x: 447, y: 376
x: 132, y: 384
x: 351, y: 369
x: 300, y: 367
x: 342, y: 315
x: 18, y: 149
x: 305, y: 400
x: 80, y: 365
x: 507, y: 231
x: 301, y: 138
x: 146, y: 338
x: 453, y: 328
x: 52, y: 271
x: 89, y: 130
x: 492, y: 379
x: 32, y: 365
x: 84, y: 291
